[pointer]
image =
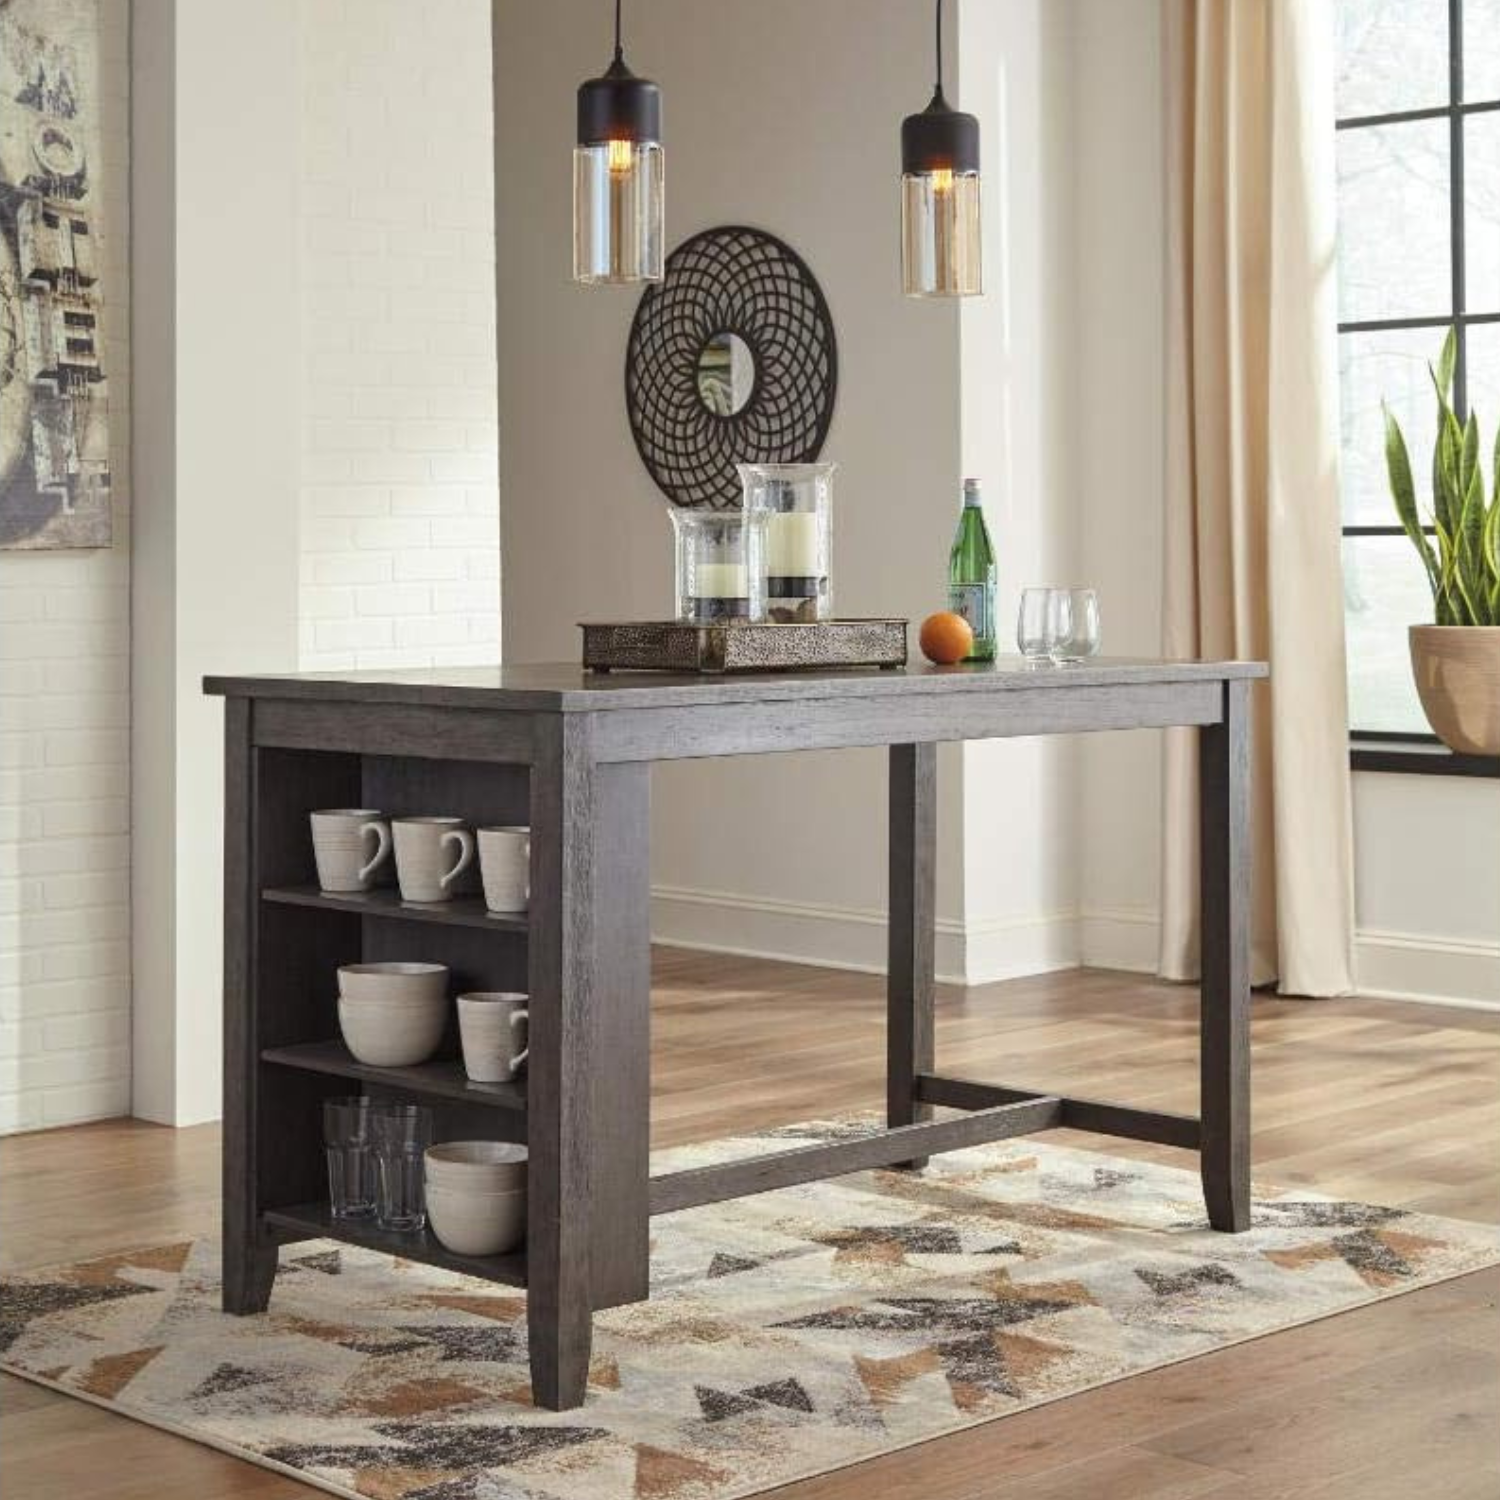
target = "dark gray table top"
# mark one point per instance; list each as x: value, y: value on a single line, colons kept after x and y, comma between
x: 561, y: 686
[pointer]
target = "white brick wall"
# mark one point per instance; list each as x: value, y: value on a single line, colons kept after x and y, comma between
x: 400, y: 500
x: 64, y: 751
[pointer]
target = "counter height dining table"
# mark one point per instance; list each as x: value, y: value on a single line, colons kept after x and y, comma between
x: 570, y: 753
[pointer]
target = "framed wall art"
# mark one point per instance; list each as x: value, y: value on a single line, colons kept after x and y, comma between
x: 54, y: 406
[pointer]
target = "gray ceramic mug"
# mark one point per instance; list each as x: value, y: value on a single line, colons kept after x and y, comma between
x: 505, y: 864
x: 492, y: 1028
x: 423, y: 865
x: 342, y: 847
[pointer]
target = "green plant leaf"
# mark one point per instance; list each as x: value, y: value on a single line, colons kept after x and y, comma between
x: 1462, y: 556
x: 1490, y: 543
x: 1450, y: 601
x: 1489, y: 552
x: 1478, y: 535
x: 1443, y: 375
x: 1404, y: 493
x: 1446, y: 457
x: 1470, y: 522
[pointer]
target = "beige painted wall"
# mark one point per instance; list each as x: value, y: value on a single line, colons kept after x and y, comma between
x: 783, y: 854
x: 1119, y: 360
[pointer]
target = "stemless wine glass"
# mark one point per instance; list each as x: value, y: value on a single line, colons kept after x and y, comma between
x: 1059, y: 630
x: 1035, y: 626
x: 1079, y: 627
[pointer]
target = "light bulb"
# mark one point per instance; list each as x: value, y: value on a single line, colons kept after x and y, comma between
x: 621, y: 156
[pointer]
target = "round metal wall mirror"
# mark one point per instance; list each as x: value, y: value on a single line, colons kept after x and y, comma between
x: 731, y: 359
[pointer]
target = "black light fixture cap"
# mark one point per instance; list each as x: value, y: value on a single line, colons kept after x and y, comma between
x: 939, y: 139
x: 618, y: 107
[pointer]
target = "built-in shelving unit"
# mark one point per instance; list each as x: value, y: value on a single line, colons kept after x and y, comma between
x: 462, y: 911
x: 443, y: 1077
x: 288, y: 938
x: 316, y: 1221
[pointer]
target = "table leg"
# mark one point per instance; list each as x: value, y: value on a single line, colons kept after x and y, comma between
x: 559, y: 1105
x: 1224, y: 815
x: 249, y: 1256
x: 909, y: 971
x: 621, y: 1031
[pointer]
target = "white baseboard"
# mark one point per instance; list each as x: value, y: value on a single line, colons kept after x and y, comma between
x: 841, y: 937
x: 1388, y: 965
x: 998, y: 948
x: 1434, y: 971
x: 1119, y: 938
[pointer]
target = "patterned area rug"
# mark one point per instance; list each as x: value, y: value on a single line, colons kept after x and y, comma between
x: 786, y: 1335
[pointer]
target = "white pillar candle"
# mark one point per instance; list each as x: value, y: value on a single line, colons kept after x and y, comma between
x: 792, y: 544
x: 720, y: 581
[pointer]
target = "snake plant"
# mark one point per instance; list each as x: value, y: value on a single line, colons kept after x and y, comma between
x: 1463, y: 568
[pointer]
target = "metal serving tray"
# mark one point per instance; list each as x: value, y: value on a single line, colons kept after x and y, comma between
x: 672, y: 646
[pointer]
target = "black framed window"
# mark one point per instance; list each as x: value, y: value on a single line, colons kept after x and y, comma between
x: 1418, y: 136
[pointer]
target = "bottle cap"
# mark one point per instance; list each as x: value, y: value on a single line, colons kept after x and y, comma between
x: 971, y: 491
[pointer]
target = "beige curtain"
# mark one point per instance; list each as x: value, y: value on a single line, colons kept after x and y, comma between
x: 1252, y: 554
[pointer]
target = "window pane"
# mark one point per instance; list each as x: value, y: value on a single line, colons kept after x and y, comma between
x: 1481, y: 50
x: 1393, y: 222
x: 1483, y: 346
x: 1393, y: 54
x: 1385, y: 590
x: 1482, y: 210
x: 1390, y: 365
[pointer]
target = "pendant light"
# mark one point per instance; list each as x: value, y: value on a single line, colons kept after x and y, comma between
x: 940, y: 240
x: 617, y: 177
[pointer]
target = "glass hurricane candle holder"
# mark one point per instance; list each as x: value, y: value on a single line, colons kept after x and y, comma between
x: 794, y: 505
x: 719, y: 567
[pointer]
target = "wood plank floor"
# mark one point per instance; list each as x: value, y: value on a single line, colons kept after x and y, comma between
x: 1394, y: 1103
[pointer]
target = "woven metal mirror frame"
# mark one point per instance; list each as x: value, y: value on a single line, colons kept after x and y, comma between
x: 746, y: 283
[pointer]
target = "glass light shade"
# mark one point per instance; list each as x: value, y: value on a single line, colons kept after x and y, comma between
x: 794, y: 505
x: 940, y: 239
x: 720, y: 569
x: 617, y: 212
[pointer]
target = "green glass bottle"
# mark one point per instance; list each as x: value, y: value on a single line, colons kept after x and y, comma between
x: 971, y: 575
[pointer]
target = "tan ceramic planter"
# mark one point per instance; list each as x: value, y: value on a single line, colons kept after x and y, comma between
x: 1457, y: 668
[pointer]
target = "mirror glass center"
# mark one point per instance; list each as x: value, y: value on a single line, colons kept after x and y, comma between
x: 726, y: 374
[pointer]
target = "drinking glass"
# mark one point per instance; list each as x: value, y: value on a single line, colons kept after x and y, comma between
x: 402, y: 1133
x: 1059, y: 612
x: 1036, y: 625
x: 351, y: 1158
x: 1080, y: 639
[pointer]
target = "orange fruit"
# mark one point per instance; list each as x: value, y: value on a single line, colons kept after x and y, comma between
x: 945, y: 638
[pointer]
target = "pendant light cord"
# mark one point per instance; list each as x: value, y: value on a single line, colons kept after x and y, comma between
x: 939, y: 28
x: 619, y: 51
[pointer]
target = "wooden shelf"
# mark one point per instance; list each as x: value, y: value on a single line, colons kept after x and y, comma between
x: 444, y: 1077
x: 462, y: 911
x: 315, y: 1221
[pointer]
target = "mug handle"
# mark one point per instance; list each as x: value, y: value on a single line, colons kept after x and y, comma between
x: 519, y: 1022
x: 465, y: 841
x: 383, y: 840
